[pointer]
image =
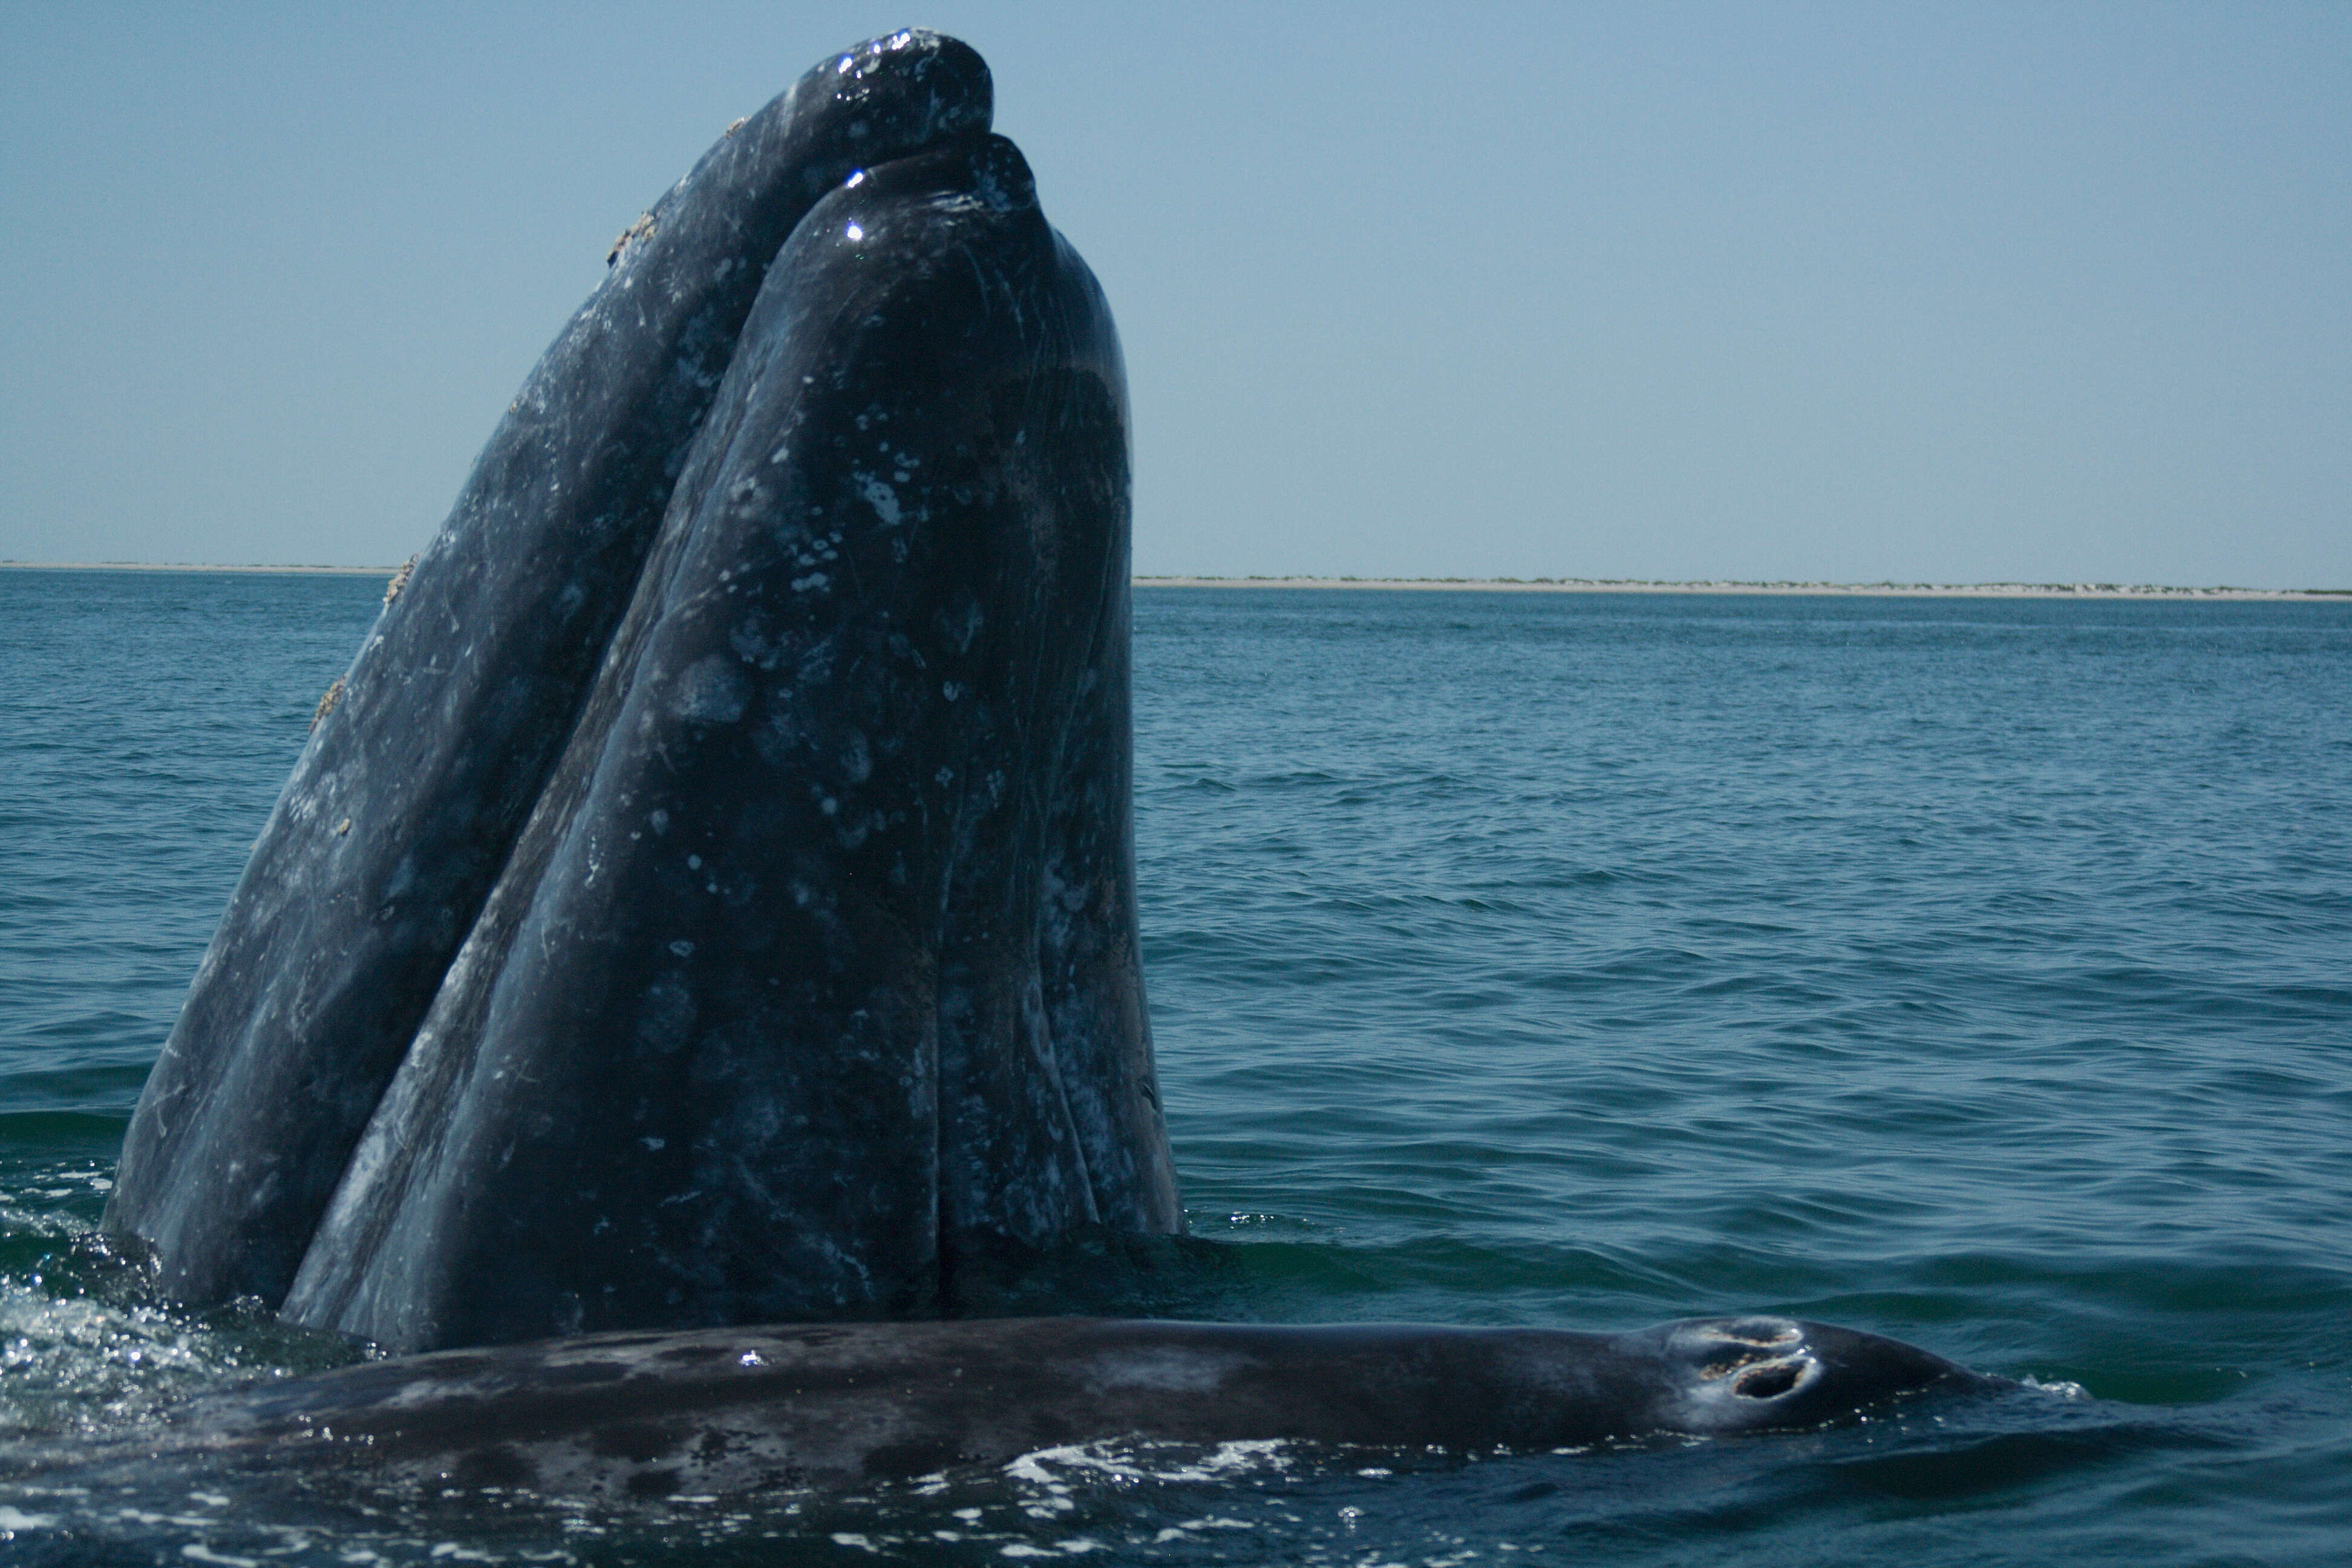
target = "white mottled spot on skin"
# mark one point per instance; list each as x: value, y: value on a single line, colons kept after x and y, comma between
x: 694, y: 862
x: 682, y: 948
x: 660, y: 821
x: 881, y: 497
x: 1190, y: 1373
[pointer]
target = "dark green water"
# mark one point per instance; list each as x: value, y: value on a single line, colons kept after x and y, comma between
x: 1975, y: 972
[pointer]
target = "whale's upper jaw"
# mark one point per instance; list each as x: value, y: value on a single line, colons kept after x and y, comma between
x: 1766, y: 1373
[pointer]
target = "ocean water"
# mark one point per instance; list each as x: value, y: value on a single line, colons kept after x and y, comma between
x: 1976, y: 971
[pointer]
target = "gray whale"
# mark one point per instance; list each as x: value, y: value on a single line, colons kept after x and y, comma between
x: 709, y: 899
x: 742, y: 1410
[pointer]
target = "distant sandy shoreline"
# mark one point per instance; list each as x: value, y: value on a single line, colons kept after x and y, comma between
x: 1455, y: 585
x: 1882, y: 590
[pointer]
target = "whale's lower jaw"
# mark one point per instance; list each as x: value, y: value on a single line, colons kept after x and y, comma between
x: 733, y: 1410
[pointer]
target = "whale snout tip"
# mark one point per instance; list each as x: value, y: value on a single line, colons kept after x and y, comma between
x: 1000, y: 178
x: 906, y: 41
x: 917, y: 53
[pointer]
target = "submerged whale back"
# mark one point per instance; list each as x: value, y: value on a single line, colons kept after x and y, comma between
x: 737, y: 1410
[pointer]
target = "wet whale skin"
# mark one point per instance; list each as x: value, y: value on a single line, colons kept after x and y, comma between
x: 742, y: 1410
x: 711, y: 898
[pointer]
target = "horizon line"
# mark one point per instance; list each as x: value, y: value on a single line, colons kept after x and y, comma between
x: 1886, y: 588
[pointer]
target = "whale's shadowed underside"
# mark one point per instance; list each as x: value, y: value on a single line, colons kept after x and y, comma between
x: 709, y: 899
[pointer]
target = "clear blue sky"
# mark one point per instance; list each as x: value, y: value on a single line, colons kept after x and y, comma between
x: 1945, y: 292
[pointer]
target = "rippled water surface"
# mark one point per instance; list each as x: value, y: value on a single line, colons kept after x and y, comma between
x: 1978, y: 972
